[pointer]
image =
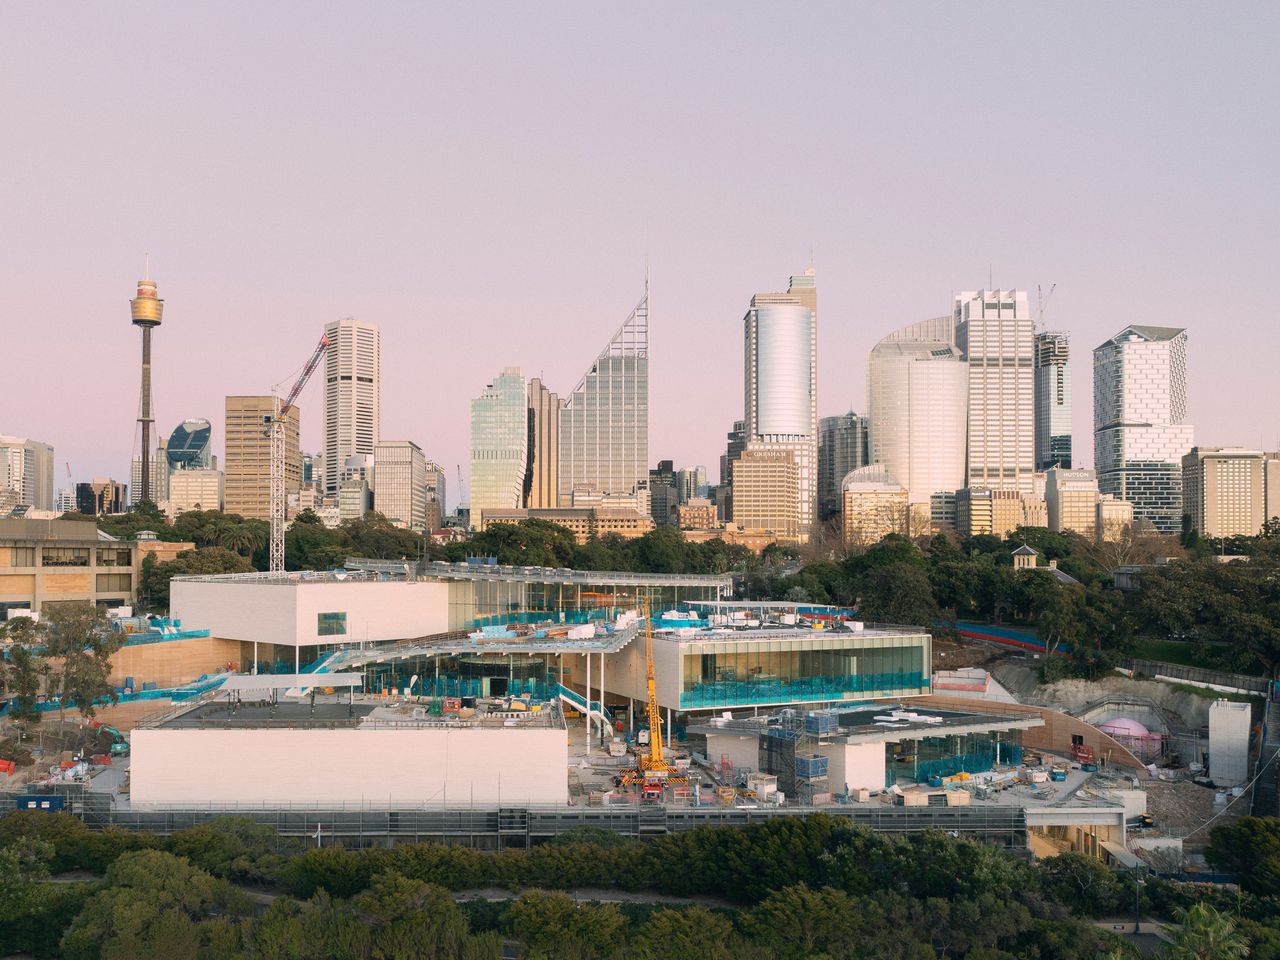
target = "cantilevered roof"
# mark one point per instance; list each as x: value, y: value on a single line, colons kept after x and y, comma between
x: 288, y: 681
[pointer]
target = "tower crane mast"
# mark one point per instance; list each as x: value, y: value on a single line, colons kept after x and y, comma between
x: 274, y: 424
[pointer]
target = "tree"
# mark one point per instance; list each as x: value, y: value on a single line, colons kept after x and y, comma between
x: 154, y: 905
x: 410, y: 919
x: 24, y: 670
x: 1208, y: 935
x: 693, y: 934
x: 78, y: 647
x: 551, y: 925
x: 1250, y: 849
x: 899, y: 593
x: 203, y: 561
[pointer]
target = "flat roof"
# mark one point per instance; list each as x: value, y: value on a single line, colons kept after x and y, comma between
x: 330, y: 712
x: 873, y: 723
x: 287, y: 681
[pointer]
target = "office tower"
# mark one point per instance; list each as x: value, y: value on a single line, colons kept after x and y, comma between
x: 604, y: 423
x: 146, y: 310
x: 352, y: 394
x: 873, y: 505
x: 736, y: 442
x: 1071, y: 496
x: 247, y: 462
x: 188, y: 446
x: 917, y: 412
x: 195, y: 488
x: 499, y: 445
x: 1114, y: 518
x: 842, y: 446
x: 664, y: 495
x: 1140, y: 428
x: 780, y: 337
x: 1271, y: 487
x: 1053, y: 400
x: 65, y: 500
x: 400, y: 483
x: 981, y: 511
x: 158, y: 472
x: 26, y: 469
x: 766, y: 493
x: 101, y: 496
x: 996, y: 337
x: 309, y: 472
x: 1224, y: 491
x: 544, y: 446
x: 691, y: 483
x: 436, y: 489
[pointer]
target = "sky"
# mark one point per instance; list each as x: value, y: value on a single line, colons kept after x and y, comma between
x: 486, y: 182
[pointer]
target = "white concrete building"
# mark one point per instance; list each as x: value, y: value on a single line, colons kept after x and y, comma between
x: 26, y: 469
x: 195, y: 490
x: 917, y: 397
x: 352, y: 395
x: 1229, y: 723
x: 400, y: 483
x: 1072, y: 500
x: 1140, y: 427
x: 996, y: 335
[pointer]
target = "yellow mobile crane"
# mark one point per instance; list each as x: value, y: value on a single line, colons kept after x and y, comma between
x: 653, y: 772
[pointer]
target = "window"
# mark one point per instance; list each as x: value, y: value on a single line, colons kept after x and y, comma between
x: 22, y: 557
x: 65, y: 557
x: 113, y: 557
x: 331, y: 624
x: 114, y: 581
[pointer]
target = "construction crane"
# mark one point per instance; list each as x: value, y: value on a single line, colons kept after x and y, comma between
x: 274, y: 428
x: 1042, y: 304
x: 654, y: 771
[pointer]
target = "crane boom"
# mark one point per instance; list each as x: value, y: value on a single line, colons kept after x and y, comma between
x: 275, y: 430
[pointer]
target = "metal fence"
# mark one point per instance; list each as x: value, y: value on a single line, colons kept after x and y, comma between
x: 491, y: 828
x: 1260, y: 686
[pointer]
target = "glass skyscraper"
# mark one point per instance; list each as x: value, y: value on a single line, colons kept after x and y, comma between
x: 1053, y: 401
x: 1140, y: 428
x: 842, y: 447
x: 188, y: 447
x: 499, y: 445
x: 604, y: 423
x: 780, y: 379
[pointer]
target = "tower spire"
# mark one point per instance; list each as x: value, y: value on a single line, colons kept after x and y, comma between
x: 146, y: 309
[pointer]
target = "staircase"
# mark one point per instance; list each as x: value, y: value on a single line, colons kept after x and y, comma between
x: 579, y: 703
x: 651, y: 819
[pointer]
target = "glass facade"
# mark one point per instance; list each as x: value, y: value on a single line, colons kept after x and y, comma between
x: 842, y: 447
x: 499, y: 445
x: 188, y: 446
x: 1053, y: 401
x: 804, y: 669
x: 604, y: 423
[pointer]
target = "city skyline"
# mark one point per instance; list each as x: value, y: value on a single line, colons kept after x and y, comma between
x: 259, y: 257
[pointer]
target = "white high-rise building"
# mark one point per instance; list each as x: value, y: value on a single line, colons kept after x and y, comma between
x: 996, y: 336
x: 780, y: 334
x: 917, y: 398
x: 352, y: 395
x: 1140, y: 428
x: 26, y: 470
x: 400, y: 483
x: 158, y: 474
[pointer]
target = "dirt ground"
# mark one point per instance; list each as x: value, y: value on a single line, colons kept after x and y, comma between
x: 1180, y: 807
x: 954, y: 655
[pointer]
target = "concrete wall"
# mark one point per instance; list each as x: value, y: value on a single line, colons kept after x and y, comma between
x: 743, y: 752
x: 173, y: 663
x: 286, y: 613
x: 856, y: 765
x: 1229, y: 724
x: 377, y: 767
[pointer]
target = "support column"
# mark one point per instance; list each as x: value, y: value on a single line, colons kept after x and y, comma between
x: 295, y: 660
x: 255, y: 657
x: 671, y: 731
x: 587, y: 713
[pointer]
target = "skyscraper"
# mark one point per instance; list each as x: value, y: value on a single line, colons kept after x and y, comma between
x: 842, y: 446
x: 1140, y: 428
x: 780, y: 374
x: 188, y: 446
x: 146, y: 310
x: 1053, y: 401
x: 158, y: 473
x: 352, y: 395
x: 917, y: 409
x: 247, y: 483
x: 499, y: 446
x: 26, y: 469
x: 1224, y: 490
x: 996, y: 335
x: 544, y: 447
x: 604, y: 423
x: 101, y: 496
x: 400, y: 483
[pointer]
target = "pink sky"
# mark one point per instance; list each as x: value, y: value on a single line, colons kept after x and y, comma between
x: 486, y: 181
